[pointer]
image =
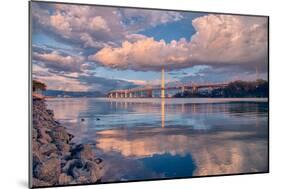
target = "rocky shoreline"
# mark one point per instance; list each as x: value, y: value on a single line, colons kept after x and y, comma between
x: 55, y: 159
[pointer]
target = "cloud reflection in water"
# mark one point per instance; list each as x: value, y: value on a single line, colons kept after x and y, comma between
x: 220, y: 138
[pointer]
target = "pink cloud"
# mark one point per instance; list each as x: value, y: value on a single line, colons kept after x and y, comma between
x: 143, y: 54
x: 92, y: 26
x: 219, y: 39
x: 85, y: 25
x: 55, y: 81
x: 59, y: 62
x: 98, y: 23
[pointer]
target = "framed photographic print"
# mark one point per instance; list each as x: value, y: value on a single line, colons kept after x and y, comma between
x: 122, y: 94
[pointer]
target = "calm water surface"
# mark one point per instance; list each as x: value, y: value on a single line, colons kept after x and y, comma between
x: 155, y: 138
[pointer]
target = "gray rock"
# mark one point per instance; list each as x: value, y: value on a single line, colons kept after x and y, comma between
x: 39, y: 183
x: 65, y: 179
x: 47, y: 149
x: 83, y: 151
x: 60, y: 134
x: 94, y: 170
x: 63, y: 147
x: 34, y: 133
x: 56, y: 160
x: 36, y: 159
x: 35, y: 146
x: 43, y: 136
x: 70, y: 165
x: 75, y: 173
x: 48, y: 170
x: 83, y: 180
x: 50, y: 113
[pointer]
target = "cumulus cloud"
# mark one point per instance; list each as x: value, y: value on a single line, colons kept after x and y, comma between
x: 59, y: 62
x: 229, y: 39
x: 144, y: 54
x: 219, y: 40
x: 75, y: 81
x: 98, y: 23
x: 90, y: 26
x: 57, y: 81
x: 85, y: 26
x: 87, y: 37
x: 138, y: 19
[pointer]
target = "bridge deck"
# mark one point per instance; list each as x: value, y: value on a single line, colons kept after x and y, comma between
x: 149, y: 89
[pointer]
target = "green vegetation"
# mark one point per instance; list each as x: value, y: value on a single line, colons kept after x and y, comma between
x: 38, y: 86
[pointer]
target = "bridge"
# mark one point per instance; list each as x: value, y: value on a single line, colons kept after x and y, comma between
x: 147, y: 92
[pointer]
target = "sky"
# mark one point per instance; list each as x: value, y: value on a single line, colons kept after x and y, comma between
x: 94, y: 48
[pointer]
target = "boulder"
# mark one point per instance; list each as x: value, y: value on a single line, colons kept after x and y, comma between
x: 94, y: 171
x: 35, y: 146
x: 47, y: 149
x: 48, y: 170
x: 83, y: 151
x: 39, y: 183
x: 36, y: 159
x: 34, y: 133
x: 43, y: 136
x: 50, y: 112
x: 75, y: 172
x: 63, y: 147
x: 83, y: 180
x: 59, y: 134
x: 65, y: 179
x: 56, y: 159
x: 70, y: 165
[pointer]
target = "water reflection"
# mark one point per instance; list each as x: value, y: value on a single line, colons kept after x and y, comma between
x: 163, y: 112
x: 142, y: 138
x: 213, y: 153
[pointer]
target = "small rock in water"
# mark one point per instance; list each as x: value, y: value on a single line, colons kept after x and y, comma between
x: 98, y: 160
x: 82, y: 119
x: 98, y: 119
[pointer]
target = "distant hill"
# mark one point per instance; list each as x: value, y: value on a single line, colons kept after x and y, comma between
x: 58, y: 93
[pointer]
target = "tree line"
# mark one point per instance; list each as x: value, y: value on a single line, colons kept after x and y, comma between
x: 236, y: 89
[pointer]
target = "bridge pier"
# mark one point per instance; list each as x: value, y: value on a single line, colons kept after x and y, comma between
x: 149, y: 93
x: 182, y: 90
x: 194, y: 89
x: 141, y: 94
